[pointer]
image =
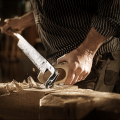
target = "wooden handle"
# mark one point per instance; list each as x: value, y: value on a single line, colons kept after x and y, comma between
x: 14, y: 30
x: 62, y: 70
x: 2, y: 23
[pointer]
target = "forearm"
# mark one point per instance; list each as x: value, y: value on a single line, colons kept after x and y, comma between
x: 92, y: 42
x: 27, y: 19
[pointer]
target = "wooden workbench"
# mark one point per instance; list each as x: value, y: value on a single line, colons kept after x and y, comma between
x: 62, y: 103
x: 80, y: 104
x: 24, y: 104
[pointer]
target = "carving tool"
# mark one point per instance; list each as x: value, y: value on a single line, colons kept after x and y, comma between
x: 38, y: 60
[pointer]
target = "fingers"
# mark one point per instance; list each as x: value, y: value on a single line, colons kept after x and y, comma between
x: 9, y: 32
x: 70, y: 77
x: 75, y: 76
x: 78, y: 72
x: 80, y: 77
x: 84, y: 76
x: 6, y: 28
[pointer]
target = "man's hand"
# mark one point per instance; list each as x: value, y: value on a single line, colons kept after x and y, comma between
x: 18, y: 24
x: 80, y: 59
x: 11, y: 24
x: 80, y: 63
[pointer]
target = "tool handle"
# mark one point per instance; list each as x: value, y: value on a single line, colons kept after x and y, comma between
x: 14, y: 30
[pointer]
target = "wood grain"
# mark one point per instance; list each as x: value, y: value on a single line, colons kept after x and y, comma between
x: 80, y: 104
x: 25, y: 104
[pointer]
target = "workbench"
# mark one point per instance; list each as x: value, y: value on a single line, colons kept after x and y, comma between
x: 61, y: 103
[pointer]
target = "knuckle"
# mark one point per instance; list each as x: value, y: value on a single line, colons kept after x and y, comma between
x: 75, y: 65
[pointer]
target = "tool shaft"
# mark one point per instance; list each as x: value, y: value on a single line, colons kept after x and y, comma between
x: 38, y: 60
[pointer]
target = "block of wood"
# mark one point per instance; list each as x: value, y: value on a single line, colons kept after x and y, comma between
x: 80, y: 104
x: 25, y: 104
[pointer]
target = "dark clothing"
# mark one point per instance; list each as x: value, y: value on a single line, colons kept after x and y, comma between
x: 104, y: 75
x: 64, y: 24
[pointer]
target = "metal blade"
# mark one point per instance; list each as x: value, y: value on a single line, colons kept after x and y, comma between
x: 38, y: 60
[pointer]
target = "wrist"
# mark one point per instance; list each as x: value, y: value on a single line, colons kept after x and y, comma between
x: 27, y: 20
x: 83, y: 50
x: 22, y: 23
x: 92, y: 42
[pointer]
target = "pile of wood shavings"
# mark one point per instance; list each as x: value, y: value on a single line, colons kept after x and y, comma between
x: 14, y: 86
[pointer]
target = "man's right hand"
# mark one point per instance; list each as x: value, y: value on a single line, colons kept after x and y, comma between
x: 11, y: 24
x: 18, y: 24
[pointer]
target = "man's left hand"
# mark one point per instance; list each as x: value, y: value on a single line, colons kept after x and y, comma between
x: 80, y: 63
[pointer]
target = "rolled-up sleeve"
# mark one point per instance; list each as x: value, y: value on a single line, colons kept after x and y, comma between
x: 106, y: 20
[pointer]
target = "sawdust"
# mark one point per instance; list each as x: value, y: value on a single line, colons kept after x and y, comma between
x: 15, y: 86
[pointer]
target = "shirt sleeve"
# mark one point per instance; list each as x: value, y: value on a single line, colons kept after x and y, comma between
x: 106, y: 20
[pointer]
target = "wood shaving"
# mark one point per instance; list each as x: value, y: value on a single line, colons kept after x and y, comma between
x: 24, y: 82
x: 11, y: 87
x: 14, y: 86
x: 33, y: 69
x: 31, y: 82
x: 19, y: 88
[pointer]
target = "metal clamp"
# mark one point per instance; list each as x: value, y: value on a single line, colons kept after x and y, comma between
x: 50, y: 82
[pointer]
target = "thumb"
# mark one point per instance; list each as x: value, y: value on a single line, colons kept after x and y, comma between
x: 61, y: 59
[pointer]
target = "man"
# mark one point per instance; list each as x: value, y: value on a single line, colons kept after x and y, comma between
x: 82, y: 32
